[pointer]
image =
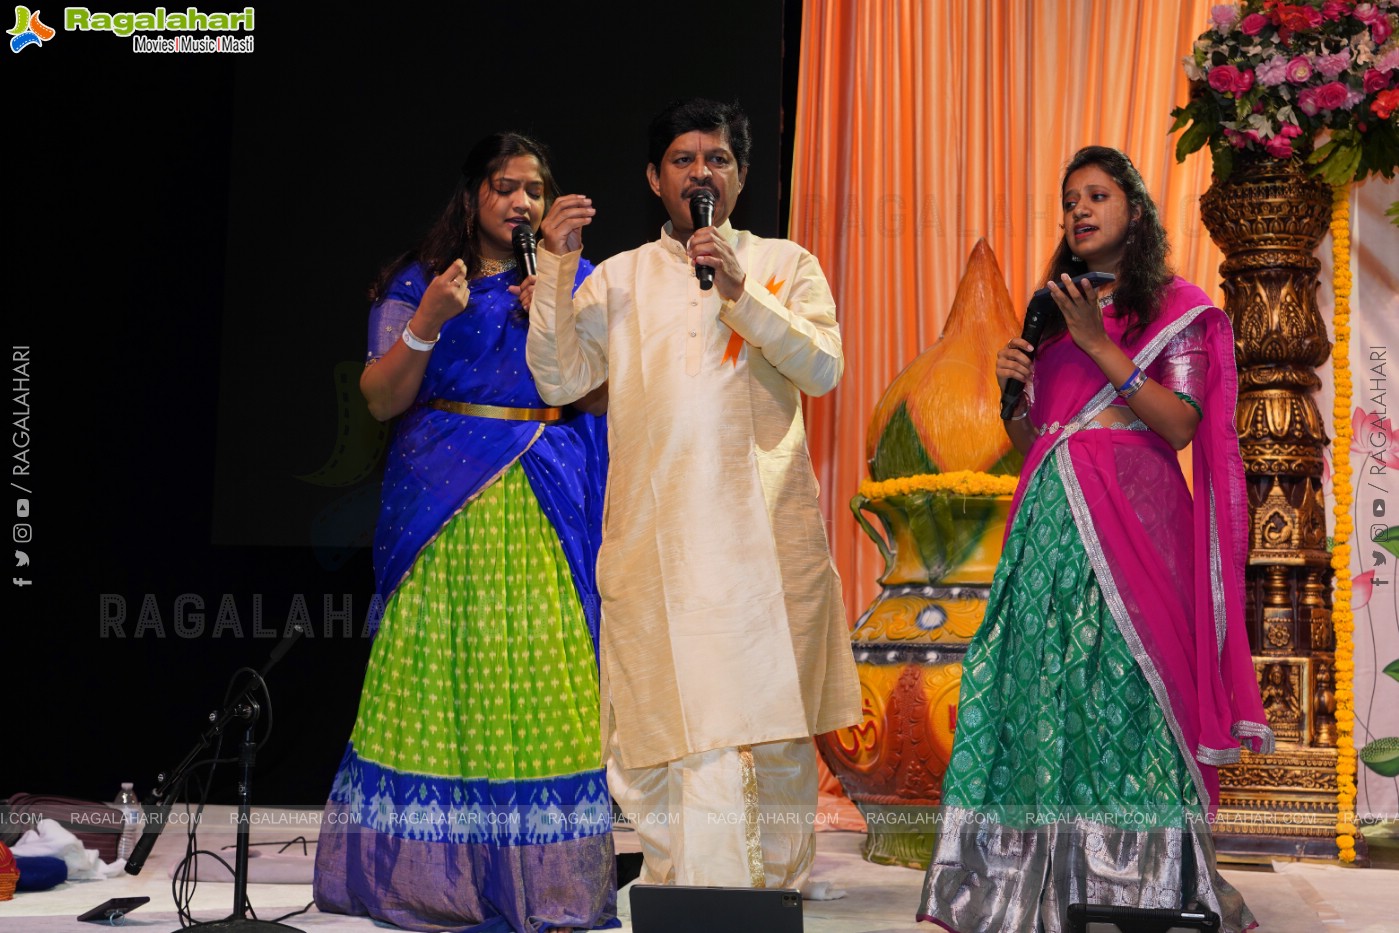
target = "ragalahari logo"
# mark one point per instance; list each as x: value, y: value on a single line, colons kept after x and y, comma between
x: 29, y: 30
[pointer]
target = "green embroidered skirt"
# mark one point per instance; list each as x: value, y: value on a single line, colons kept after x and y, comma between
x: 1065, y: 784
x: 472, y: 794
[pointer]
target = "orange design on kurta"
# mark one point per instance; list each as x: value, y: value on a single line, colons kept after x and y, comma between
x: 774, y: 284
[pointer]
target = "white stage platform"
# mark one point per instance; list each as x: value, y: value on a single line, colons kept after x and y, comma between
x: 1288, y: 898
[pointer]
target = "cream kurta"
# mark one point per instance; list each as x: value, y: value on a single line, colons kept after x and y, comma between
x: 722, y: 616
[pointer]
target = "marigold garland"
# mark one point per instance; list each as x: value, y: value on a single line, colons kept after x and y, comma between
x: 956, y: 483
x: 1342, y: 617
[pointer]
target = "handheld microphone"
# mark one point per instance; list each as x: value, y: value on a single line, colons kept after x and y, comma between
x: 702, y: 215
x: 522, y: 238
x: 1040, y: 312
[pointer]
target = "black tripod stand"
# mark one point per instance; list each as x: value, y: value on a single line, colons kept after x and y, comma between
x: 242, y: 708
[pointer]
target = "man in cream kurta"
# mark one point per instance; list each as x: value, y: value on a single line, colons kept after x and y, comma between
x: 724, y: 645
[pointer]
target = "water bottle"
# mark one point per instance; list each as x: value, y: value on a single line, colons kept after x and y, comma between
x: 130, y: 809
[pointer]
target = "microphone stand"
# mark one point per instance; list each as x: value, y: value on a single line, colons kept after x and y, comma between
x: 245, y: 708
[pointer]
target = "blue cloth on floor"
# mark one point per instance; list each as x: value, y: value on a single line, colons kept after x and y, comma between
x: 40, y: 872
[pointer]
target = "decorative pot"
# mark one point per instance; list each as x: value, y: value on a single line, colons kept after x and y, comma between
x: 940, y: 551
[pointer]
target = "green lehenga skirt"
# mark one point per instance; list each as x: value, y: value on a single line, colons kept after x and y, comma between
x: 472, y: 794
x: 1065, y: 784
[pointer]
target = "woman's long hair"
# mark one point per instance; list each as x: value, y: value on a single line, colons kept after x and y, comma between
x: 456, y: 234
x: 1143, y: 272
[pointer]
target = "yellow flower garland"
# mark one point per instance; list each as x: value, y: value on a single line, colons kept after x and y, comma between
x: 956, y: 483
x: 1342, y: 618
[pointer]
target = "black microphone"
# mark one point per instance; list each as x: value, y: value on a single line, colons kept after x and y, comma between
x: 156, y: 817
x: 522, y: 238
x: 701, y: 216
x: 1040, y: 312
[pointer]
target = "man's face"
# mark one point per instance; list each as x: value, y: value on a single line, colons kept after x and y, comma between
x: 694, y: 160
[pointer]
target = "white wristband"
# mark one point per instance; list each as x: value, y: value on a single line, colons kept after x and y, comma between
x: 415, y: 342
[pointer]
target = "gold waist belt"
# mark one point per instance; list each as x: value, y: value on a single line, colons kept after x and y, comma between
x: 497, y: 411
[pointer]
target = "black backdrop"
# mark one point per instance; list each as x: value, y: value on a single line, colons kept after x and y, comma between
x: 189, y: 241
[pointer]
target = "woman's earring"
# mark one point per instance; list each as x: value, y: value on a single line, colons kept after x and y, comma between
x: 1075, y: 257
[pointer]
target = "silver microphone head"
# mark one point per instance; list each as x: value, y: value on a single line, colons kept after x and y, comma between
x: 522, y: 238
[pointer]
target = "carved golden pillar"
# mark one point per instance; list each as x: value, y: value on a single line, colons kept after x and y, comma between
x: 1268, y: 218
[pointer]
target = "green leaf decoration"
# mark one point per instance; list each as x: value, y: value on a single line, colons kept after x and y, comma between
x: 1322, y: 153
x: 1192, y: 139
x: 1392, y: 669
x: 1223, y: 155
x: 1340, y: 166
x: 932, y: 528
x: 946, y: 529
x: 1382, y: 756
x: 1009, y: 465
x: 1338, y: 160
x: 900, y: 450
x: 1379, y: 150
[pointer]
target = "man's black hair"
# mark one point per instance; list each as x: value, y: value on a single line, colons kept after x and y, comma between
x: 697, y: 113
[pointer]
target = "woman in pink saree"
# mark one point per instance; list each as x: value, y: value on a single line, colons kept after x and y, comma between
x: 1112, y: 674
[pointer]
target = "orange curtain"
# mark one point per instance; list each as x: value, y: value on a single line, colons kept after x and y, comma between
x: 922, y: 126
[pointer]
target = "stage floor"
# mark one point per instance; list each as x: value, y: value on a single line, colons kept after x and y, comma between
x: 1289, y: 897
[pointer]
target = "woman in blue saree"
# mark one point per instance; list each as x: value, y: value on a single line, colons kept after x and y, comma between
x: 471, y: 795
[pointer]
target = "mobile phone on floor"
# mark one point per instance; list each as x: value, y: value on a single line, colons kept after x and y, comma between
x: 113, y: 910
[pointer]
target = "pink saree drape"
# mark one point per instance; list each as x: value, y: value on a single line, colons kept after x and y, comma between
x: 1171, y: 570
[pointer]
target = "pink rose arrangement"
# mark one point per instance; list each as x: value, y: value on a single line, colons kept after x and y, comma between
x: 1313, y: 79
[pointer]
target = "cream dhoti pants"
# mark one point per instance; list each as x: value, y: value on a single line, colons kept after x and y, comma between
x: 731, y: 817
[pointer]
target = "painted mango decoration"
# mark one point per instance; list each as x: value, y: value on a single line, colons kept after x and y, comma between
x: 942, y: 413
